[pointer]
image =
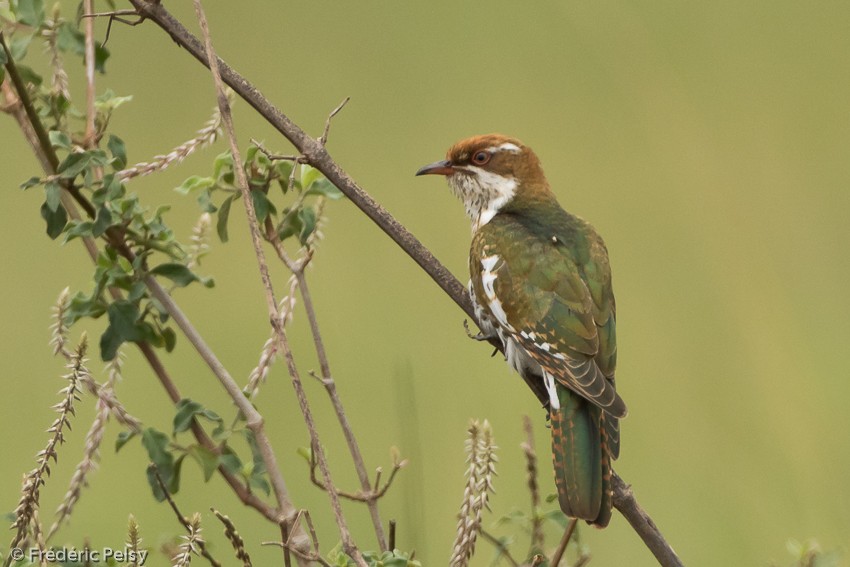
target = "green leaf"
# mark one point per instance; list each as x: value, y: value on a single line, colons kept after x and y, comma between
x: 118, y: 151
x: 53, y: 192
x: 187, y: 409
x: 223, y: 164
x: 59, y: 139
x: 109, y: 101
x: 223, y: 214
x: 122, y: 439
x: 194, y: 183
x: 325, y: 188
x: 170, y: 338
x: 101, y: 54
x: 56, y: 220
x: 78, y: 229
x: 31, y: 182
x: 110, y: 342
x: 156, y: 443
x: 103, y: 221
x: 308, y: 176
x: 70, y: 39
x: 74, y: 164
x: 284, y: 170
x: 206, y: 458
x: 18, y: 46
x: 178, y: 273
x: 308, y: 223
x: 205, y: 201
x: 28, y: 75
x: 231, y: 462
x: 262, y: 205
x: 124, y: 326
x: 291, y: 224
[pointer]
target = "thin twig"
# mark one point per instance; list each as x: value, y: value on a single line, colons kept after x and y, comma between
x: 242, y: 181
x: 538, y: 541
x: 323, y: 140
x: 369, y: 494
x: 184, y: 521
x: 330, y: 386
x: 503, y: 549
x: 562, y: 546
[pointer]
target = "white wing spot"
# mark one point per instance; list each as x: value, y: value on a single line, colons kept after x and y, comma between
x: 499, y: 313
x: 543, y: 346
x: 488, y: 278
x: 549, y: 382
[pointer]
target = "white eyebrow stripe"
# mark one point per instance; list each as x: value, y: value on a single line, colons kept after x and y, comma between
x: 506, y: 147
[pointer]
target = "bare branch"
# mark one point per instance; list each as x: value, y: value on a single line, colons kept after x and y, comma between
x: 565, y: 540
x: 624, y: 501
x: 91, y: 131
x: 242, y: 181
x: 323, y: 140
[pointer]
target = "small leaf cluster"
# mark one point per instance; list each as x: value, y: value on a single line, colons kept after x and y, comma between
x: 394, y: 558
x: 135, y: 236
x: 24, y: 20
x: 519, y: 520
x: 810, y: 554
x: 269, y: 180
x: 167, y: 455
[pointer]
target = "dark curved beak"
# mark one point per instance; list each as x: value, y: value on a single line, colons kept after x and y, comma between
x: 437, y: 168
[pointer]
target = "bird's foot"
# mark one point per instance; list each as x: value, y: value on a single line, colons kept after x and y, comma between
x: 478, y: 336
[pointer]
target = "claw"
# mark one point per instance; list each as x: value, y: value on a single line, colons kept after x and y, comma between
x: 478, y: 336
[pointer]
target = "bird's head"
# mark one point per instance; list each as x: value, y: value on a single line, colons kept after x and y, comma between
x: 488, y: 173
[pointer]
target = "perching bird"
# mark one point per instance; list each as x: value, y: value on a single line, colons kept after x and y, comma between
x: 541, y: 283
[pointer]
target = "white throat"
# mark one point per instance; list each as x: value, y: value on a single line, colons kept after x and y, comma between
x: 483, y: 193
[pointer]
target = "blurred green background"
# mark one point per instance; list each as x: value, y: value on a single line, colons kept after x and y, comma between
x: 708, y: 143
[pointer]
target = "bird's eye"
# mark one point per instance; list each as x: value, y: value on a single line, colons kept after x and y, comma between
x: 480, y: 158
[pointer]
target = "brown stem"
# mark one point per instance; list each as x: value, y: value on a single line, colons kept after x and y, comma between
x: 624, y: 501
x: 297, y: 268
x: 242, y: 181
x: 90, y: 135
x: 562, y: 545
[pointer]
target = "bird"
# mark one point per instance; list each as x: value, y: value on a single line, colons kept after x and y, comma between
x: 540, y: 283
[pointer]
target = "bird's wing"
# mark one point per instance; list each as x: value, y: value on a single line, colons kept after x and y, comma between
x: 535, y: 287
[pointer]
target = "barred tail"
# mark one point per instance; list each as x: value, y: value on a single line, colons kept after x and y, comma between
x: 582, y: 463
